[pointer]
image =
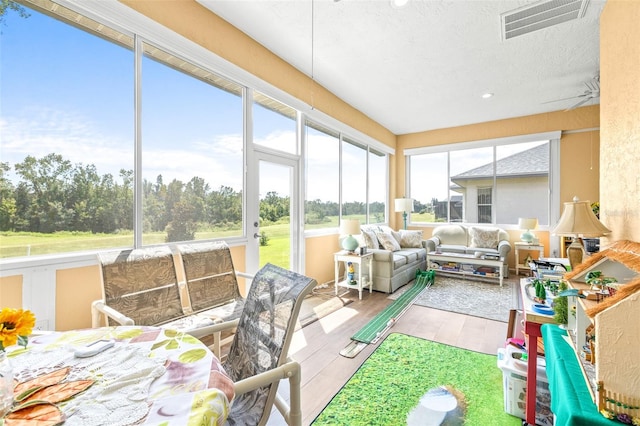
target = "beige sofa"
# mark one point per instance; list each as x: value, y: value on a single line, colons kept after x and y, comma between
x: 397, y: 255
x: 470, y: 239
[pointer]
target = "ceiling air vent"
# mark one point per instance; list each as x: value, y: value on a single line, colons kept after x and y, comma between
x: 540, y: 15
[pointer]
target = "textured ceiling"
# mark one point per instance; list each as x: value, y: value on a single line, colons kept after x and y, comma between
x: 425, y: 66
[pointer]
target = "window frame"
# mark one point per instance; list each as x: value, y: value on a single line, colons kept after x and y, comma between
x: 553, y: 174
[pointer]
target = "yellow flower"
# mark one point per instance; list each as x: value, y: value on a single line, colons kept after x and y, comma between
x: 15, y: 324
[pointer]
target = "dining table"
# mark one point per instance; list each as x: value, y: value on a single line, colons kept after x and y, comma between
x: 145, y: 376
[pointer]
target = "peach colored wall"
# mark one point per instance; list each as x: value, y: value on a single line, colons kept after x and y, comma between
x: 76, y: 288
x: 620, y: 118
x: 319, y: 257
x: 11, y: 292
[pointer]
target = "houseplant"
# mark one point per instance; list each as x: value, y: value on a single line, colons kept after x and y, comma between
x: 561, y: 305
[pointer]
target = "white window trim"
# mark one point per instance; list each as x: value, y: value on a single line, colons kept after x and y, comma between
x: 554, y: 169
x: 483, y: 143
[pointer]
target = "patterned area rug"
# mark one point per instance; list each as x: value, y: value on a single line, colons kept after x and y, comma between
x: 485, y: 299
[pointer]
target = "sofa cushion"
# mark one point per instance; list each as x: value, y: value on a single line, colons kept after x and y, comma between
x: 387, y: 241
x: 411, y: 256
x: 474, y: 250
x: 483, y: 237
x: 398, y: 260
x: 452, y: 248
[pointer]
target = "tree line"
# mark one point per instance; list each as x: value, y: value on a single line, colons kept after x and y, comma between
x: 52, y: 194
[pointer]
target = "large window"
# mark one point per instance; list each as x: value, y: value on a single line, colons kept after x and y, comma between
x: 323, y: 179
x: 481, y: 182
x: 274, y: 124
x: 344, y: 178
x: 354, y: 180
x: 67, y: 135
x: 192, y: 158
x: 378, y: 178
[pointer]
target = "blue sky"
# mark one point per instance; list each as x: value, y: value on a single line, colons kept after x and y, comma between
x: 69, y: 92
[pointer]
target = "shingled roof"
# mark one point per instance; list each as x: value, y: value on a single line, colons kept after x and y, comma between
x: 532, y: 162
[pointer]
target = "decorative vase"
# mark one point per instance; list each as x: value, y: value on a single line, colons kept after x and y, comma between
x: 6, y: 384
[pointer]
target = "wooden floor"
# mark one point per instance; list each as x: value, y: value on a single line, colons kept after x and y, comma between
x: 324, y: 371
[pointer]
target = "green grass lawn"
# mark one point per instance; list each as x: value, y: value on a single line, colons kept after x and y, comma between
x: 15, y: 244
x: 277, y: 250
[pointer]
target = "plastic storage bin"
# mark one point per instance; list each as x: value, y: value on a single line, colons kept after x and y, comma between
x: 514, y: 373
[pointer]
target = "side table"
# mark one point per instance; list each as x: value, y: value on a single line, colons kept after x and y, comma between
x: 532, y: 323
x: 364, y: 262
x: 521, y: 245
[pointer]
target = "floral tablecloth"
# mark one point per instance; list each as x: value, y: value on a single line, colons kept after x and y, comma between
x: 150, y: 376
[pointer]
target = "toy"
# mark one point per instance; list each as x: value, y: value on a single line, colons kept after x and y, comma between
x: 350, y: 273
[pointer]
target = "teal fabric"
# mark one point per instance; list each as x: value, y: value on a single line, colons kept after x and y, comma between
x: 571, y: 400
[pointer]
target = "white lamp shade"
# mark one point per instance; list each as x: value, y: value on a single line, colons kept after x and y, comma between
x: 404, y: 204
x: 349, y: 227
x: 578, y: 220
x: 527, y: 223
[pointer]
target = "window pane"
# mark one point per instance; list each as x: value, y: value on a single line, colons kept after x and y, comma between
x: 354, y: 181
x: 517, y: 185
x: 67, y: 134
x: 322, y: 182
x: 191, y: 151
x: 523, y: 182
x: 470, y: 169
x: 274, y: 124
x: 484, y: 205
x: 429, y: 187
x: 377, y: 186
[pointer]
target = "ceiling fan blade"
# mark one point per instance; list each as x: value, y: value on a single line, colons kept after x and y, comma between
x: 564, y: 99
x: 583, y: 101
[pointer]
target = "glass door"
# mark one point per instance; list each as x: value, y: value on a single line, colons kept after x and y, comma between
x: 276, y: 224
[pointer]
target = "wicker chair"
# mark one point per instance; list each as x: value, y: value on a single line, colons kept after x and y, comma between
x: 258, y: 357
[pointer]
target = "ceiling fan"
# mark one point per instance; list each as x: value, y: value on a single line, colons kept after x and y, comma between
x: 592, y: 92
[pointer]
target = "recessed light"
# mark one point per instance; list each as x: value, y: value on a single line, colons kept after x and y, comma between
x: 398, y: 3
x: 487, y: 95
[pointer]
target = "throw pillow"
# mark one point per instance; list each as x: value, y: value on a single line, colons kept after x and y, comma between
x: 484, y: 237
x: 370, y: 239
x: 411, y: 239
x: 397, y: 236
x: 387, y: 241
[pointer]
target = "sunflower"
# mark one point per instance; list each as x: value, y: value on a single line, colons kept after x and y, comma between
x: 15, y: 326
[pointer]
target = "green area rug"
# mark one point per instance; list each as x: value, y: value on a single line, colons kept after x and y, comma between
x: 402, y: 369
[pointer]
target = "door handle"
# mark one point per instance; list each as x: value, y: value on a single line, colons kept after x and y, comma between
x: 256, y: 235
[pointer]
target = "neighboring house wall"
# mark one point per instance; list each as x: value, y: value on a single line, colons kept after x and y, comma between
x: 519, y: 197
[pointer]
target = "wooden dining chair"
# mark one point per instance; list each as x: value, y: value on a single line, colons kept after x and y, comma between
x: 258, y: 357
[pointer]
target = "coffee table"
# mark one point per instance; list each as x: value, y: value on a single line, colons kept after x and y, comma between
x: 469, y: 259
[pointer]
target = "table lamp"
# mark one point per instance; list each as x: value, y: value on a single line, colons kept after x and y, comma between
x: 578, y: 221
x: 404, y: 205
x: 528, y: 224
x: 349, y: 227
